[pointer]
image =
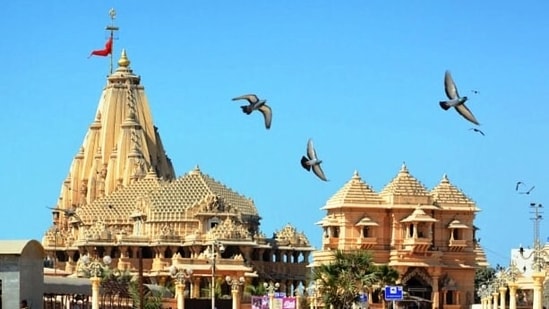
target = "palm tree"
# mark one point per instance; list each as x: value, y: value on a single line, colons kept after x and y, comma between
x: 342, y: 280
x: 385, y: 275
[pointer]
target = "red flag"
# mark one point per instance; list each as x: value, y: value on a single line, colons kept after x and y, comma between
x: 103, y: 52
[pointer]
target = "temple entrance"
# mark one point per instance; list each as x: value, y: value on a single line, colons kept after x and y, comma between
x: 418, y: 291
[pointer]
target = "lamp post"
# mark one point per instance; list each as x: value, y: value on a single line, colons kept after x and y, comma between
x: 271, y: 288
x: 311, y: 291
x: 538, y: 256
x: 235, y: 284
x: 511, y: 275
x: 211, y: 253
x: 96, y: 269
x: 180, y: 275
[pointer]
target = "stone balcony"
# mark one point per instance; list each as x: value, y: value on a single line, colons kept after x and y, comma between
x: 457, y: 244
x: 366, y: 242
x: 416, y: 244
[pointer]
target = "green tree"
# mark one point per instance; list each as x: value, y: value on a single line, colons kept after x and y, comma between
x: 385, y: 275
x: 343, y: 279
x: 256, y: 290
x: 483, y: 275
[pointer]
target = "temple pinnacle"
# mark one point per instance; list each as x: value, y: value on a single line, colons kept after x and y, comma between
x: 124, y: 61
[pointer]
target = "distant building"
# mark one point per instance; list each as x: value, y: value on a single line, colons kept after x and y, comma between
x: 121, y: 197
x: 427, y: 235
x: 21, y: 273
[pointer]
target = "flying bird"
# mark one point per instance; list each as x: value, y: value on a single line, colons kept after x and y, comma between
x: 68, y: 212
x: 312, y: 161
x: 518, y: 184
x: 527, y: 192
x: 475, y: 91
x: 256, y: 104
x: 477, y: 130
x: 455, y: 100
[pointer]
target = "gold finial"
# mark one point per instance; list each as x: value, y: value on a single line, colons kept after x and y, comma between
x: 124, y: 61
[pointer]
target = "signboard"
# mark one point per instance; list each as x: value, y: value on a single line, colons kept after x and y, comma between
x: 394, y: 293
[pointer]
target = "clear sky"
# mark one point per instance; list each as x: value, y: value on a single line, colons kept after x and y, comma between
x: 362, y: 78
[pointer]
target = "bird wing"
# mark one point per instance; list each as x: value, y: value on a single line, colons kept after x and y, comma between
x: 252, y: 98
x: 318, y: 172
x: 304, y: 163
x: 267, y: 114
x: 466, y: 113
x: 311, y: 153
x: 66, y: 211
x: 450, y: 87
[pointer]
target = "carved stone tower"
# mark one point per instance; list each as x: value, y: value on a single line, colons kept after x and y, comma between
x: 121, y: 146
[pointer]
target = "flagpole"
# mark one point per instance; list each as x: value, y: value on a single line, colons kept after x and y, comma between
x: 112, y: 28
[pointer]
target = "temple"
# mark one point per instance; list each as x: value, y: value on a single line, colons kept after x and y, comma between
x: 427, y: 236
x: 122, y: 199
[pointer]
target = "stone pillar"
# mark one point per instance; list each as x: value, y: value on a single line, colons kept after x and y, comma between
x: 271, y: 300
x: 512, y: 295
x: 195, y: 287
x: 179, y: 292
x: 502, y: 290
x: 236, y: 299
x: 95, y: 291
x: 538, y: 278
x: 436, y: 293
x: 495, y: 303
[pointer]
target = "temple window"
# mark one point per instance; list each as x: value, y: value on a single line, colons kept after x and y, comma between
x: 456, y: 235
x: 335, y: 231
x: 366, y: 231
x: 450, y: 297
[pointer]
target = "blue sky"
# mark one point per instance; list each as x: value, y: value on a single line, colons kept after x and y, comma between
x: 362, y: 78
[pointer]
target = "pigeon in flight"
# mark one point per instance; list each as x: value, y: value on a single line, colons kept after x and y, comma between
x: 312, y: 161
x: 68, y: 212
x: 455, y: 100
x: 477, y: 130
x: 475, y: 91
x: 528, y: 192
x: 256, y: 104
x: 518, y: 184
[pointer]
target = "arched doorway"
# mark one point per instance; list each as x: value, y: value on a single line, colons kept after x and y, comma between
x: 418, y: 290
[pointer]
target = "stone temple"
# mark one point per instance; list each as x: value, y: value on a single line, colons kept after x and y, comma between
x: 122, y: 199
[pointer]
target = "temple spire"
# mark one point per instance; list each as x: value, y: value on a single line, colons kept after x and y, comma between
x: 112, y: 28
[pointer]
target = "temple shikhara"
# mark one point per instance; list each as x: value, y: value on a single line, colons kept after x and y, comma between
x: 122, y: 198
x: 428, y: 236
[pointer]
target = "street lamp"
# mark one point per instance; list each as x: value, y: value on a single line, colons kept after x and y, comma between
x: 311, y: 291
x: 538, y: 255
x: 235, y: 284
x: 180, y: 275
x: 211, y: 253
x: 271, y: 288
x: 96, y: 269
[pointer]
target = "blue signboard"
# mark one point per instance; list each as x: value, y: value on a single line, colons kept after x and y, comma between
x: 394, y: 293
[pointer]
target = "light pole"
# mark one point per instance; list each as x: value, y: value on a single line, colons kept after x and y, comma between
x: 180, y: 275
x: 235, y: 284
x: 311, y: 291
x: 510, y: 275
x: 96, y: 270
x: 211, y: 253
x: 271, y: 288
x: 538, y: 255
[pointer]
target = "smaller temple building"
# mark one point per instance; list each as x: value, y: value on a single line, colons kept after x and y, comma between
x: 428, y: 236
